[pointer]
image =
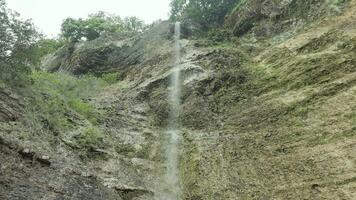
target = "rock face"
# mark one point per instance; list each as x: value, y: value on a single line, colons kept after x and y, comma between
x: 268, y: 17
x: 22, y: 179
x: 264, y: 116
x: 10, y: 106
x: 110, y: 53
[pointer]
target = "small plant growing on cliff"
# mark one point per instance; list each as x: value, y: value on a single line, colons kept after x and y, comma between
x: 144, y: 153
x: 110, y: 78
x: 335, y: 5
x: 90, y: 138
x: 125, y: 149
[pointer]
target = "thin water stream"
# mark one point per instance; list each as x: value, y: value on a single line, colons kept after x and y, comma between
x: 171, y: 178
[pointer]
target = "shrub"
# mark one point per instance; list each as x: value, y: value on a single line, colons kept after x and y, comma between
x: 125, y: 149
x: 110, y: 78
x: 219, y: 35
x: 143, y: 153
x: 58, y: 95
x: 44, y: 47
x: 84, y: 109
x: 335, y: 5
x: 90, y: 138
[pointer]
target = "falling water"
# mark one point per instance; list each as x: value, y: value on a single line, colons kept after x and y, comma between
x: 175, y: 82
x: 172, y: 182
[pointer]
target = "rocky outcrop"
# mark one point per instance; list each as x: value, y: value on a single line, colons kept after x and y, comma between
x: 267, y: 17
x: 10, y: 106
x: 284, y: 134
x: 110, y: 53
x: 22, y: 177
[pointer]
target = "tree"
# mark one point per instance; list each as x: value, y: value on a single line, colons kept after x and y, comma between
x: 100, y: 23
x: 17, y: 39
x: 44, y: 47
x: 177, y: 8
x: 97, y: 24
x: 73, y: 29
x: 133, y: 24
x: 205, y: 13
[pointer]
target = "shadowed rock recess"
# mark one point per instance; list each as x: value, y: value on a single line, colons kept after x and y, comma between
x: 268, y: 111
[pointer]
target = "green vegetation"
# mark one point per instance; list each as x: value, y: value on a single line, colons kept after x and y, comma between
x: 335, y: 5
x: 110, y: 78
x: 125, y: 149
x: 17, y: 38
x: 143, y: 153
x: 264, y: 116
x: 90, y: 138
x: 204, y: 13
x: 21, y: 48
x: 130, y: 151
x: 61, y: 99
x: 97, y: 24
x: 44, y: 47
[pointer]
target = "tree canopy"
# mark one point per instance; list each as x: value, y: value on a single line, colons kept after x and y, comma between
x: 97, y: 24
x: 205, y: 13
x: 17, y: 39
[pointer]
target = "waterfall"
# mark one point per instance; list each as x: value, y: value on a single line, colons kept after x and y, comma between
x: 175, y: 82
x: 171, y: 179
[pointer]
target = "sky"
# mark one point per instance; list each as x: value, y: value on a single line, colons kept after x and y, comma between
x: 48, y: 15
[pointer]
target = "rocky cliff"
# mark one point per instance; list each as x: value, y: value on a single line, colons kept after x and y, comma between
x: 269, y: 112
